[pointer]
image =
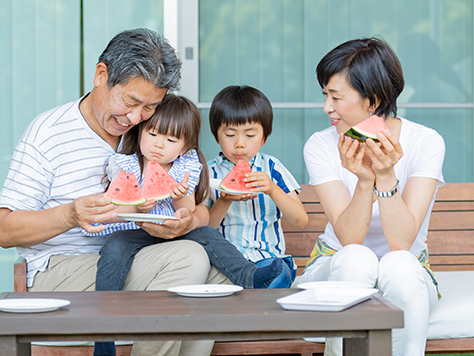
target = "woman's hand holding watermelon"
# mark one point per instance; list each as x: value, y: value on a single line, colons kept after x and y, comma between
x: 92, y: 209
x: 354, y: 159
x: 384, y: 155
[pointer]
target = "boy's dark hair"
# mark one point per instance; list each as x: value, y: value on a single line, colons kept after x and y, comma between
x: 371, y: 68
x: 238, y: 105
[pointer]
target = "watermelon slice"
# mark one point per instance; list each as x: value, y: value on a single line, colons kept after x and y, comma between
x: 369, y: 128
x: 158, y: 183
x: 234, y: 180
x: 125, y: 190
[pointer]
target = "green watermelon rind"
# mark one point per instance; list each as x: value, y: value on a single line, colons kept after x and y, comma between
x: 360, y: 135
x: 235, y: 191
x: 161, y: 197
x: 138, y: 202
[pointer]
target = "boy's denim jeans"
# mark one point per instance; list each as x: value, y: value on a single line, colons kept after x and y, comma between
x: 287, y: 275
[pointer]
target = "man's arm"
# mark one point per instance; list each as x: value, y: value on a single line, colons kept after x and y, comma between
x: 31, y: 227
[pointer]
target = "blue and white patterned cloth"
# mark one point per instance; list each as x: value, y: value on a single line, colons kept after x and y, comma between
x: 254, y: 226
x: 188, y: 162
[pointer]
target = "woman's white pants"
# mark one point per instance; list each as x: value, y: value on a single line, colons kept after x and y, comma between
x: 399, y: 277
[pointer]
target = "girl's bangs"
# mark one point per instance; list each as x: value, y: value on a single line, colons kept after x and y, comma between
x: 166, y: 125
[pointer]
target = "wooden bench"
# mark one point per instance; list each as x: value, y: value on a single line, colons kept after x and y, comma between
x: 450, y: 242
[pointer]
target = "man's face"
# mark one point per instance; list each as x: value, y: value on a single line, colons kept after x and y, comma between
x: 121, y: 107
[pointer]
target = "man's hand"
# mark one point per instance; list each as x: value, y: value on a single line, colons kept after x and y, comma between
x: 91, y: 209
x: 171, y: 228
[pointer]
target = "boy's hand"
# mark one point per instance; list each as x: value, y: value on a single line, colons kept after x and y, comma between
x: 181, y: 189
x: 260, y: 182
x: 241, y: 197
x: 146, y: 206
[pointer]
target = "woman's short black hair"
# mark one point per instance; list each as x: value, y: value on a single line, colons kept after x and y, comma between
x: 371, y: 68
x: 238, y: 105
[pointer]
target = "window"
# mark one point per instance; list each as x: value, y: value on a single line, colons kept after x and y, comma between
x: 276, y: 45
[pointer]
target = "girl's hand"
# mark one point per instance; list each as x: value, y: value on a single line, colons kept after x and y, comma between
x: 146, y: 206
x: 354, y: 158
x: 181, y: 189
x: 385, y: 155
x: 260, y: 182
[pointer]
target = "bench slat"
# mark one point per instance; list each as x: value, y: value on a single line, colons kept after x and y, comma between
x: 453, y: 205
x: 450, y: 242
x: 459, y: 220
x: 287, y: 347
x: 316, y: 223
x: 456, y: 192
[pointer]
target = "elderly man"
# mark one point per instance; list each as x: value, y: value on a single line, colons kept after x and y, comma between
x: 53, y: 187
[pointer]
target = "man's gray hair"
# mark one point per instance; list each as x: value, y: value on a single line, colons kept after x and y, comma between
x: 141, y: 53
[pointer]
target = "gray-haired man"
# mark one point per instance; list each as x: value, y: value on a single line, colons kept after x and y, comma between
x: 53, y: 187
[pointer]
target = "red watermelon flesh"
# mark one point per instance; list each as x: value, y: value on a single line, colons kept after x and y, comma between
x: 369, y: 128
x: 234, y: 180
x: 158, y: 183
x: 125, y: 190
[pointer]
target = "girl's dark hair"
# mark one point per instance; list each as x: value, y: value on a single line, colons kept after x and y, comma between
x: 238, y: 105
x: 179, y: 117
x: 371, y: 68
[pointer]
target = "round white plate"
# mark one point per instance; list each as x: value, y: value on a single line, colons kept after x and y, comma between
x: 146, y: 217
x: 205, y: 290
x: 331, y: 284
x: 31, y: 305
x: 215, y: 185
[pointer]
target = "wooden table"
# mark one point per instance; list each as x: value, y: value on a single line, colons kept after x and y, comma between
x: 160, y: 315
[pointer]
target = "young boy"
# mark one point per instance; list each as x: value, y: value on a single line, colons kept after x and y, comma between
x: 241, y: 121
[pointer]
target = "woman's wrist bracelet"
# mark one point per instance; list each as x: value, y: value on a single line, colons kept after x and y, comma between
x: 388, y: 194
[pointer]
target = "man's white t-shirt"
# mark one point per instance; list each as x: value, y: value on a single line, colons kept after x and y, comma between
x: 58, y: 159
x: 423, y: 156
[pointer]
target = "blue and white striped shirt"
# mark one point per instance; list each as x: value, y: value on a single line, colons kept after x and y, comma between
x: 254, y: 226
x: 188, y: 162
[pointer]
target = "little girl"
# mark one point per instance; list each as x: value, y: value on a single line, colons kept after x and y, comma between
x: 171, y: 138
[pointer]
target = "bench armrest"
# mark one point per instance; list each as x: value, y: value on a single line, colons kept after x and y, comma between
x: 19, y: 272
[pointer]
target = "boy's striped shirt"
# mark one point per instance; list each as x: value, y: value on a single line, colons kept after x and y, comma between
x: 254, y: 226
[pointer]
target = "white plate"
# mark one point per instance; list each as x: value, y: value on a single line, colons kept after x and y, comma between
x: 215, y: 185
x: 146, y: 217
x: 326, y: 299
x: 205, y: 290
x: 331, y: 284
x: 31, y: 305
